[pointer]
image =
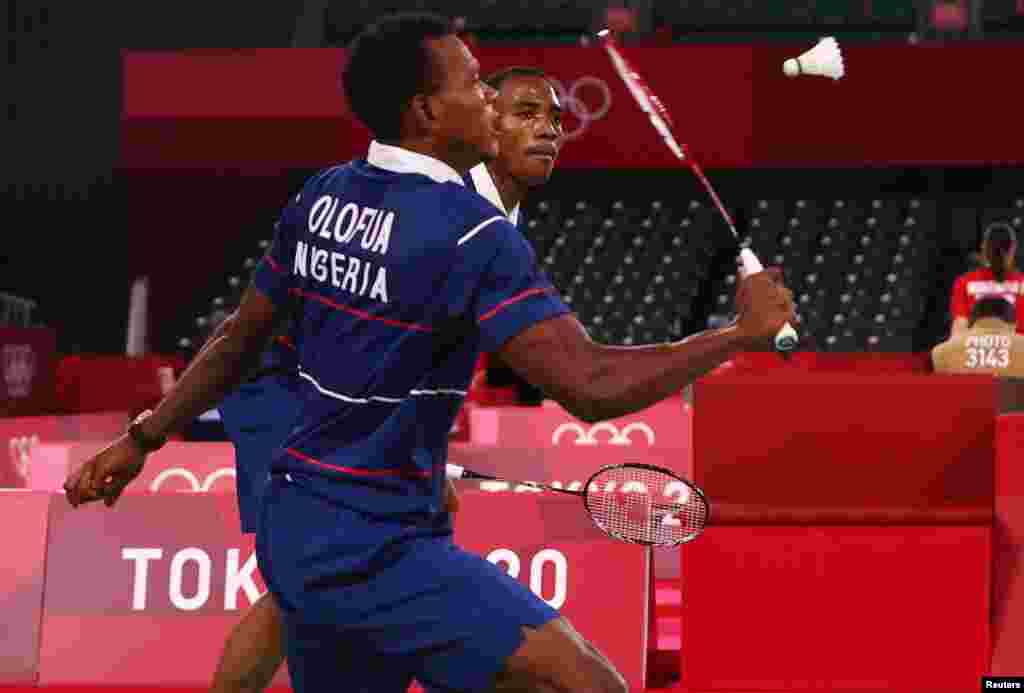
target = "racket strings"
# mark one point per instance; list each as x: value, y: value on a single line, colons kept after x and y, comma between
x: 646, y: 506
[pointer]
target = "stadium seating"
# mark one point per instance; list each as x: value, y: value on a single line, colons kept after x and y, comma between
x: 866, y: 272
x: 859, y: 270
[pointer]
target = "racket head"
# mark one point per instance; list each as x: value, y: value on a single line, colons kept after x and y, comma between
x: 646, y: 504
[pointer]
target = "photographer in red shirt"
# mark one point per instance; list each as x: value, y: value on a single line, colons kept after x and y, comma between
x: 998, y: 277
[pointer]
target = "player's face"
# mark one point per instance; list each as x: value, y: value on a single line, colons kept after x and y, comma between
x: 466, y: 116
x: 529, y: 128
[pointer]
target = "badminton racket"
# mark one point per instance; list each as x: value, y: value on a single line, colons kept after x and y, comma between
x: 635, y: 503
x: 649, y: 103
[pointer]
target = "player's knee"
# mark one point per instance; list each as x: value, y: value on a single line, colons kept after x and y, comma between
x: 604, y: 677
x: 599, y: 673
x: 557, y: 655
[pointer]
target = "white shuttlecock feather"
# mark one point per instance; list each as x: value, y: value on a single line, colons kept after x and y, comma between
x: 825, y: 59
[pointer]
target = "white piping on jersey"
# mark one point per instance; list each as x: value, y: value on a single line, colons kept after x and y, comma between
x: 377, y: 398
x: 483, y: 181
x: 440, y: 391
x: 479, y: 227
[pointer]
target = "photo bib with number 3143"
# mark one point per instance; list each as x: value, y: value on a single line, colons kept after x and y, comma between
x: 988, y: 351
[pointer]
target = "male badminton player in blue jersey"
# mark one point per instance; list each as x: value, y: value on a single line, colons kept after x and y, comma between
x: 405, y: 275
x: 257, y: 417
x: 529, y: 139
x: 259, y: 414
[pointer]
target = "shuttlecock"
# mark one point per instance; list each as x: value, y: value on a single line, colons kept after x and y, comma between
x: 825, y: 59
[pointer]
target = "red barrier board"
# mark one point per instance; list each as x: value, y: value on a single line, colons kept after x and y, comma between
x: 51, y: 429
x: 23, y: 515
x: 28, y: 359
x: 169, y: 573
x: 550, y: 543
x: 818, y: 608
x: 731, y: 104
x: 820, y: 440
x: 22, y: 438
x: 210, y: 467
x: 871, y: 363
x: 664, y: 427
x: 1008, y: 567
x: 127, y: 587
x: 178, y: 466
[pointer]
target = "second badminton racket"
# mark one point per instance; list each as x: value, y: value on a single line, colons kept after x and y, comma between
x: 636, y: 503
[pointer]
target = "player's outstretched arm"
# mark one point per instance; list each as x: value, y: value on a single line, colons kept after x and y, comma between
x: 219, y: 368
x: 595, y: 382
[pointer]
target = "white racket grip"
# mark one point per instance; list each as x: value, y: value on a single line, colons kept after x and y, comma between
x: 453, y: 471
x: 751, y: 265
x: 787, y: 338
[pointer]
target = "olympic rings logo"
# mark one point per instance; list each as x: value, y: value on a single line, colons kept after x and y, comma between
x: 583, y: 110
x: 590, y: 436
x: 190, y: 476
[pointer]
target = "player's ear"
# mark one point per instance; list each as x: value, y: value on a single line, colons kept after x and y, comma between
x: 424, y: 111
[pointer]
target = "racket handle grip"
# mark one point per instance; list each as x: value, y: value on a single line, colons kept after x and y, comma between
x: 453, y: 471
x: 751, y: 265
x: 787, y: 338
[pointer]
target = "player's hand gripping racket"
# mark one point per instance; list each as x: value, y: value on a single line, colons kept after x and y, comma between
x: 650, y: 104
x: 636, y: 503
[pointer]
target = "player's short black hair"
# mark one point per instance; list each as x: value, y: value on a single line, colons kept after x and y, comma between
x: 496, y: 79
x: 994, y: 307
x: 389, y: 63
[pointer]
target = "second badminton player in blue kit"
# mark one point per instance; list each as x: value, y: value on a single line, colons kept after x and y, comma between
x: 404, y: 275
x: 257, y: 417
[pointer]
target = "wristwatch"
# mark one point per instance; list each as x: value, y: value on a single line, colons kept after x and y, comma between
x: 145, y: 443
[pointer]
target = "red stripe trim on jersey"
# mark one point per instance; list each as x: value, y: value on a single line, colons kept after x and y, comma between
x: 515, y: 299
x: 273, y: 265
x: 361, y: 314
x: 402, y: 472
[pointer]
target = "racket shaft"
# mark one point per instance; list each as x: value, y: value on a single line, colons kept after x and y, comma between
x: 454, y: 471
x: 662, y: 122
x: 699, y: 172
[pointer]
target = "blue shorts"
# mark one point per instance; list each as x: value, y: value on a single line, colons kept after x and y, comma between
x: 421, y: 608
